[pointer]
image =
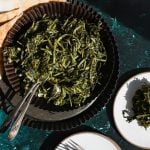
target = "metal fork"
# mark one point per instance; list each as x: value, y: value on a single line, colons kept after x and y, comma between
x: 69, y: 145
x: 16, y: 121
x: 15, y: 118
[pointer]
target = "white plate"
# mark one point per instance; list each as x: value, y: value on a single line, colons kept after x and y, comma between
x: 92, y: 141
x: 132, y: 132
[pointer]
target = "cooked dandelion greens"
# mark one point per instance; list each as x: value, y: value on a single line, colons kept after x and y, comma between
x: 141, y: 107
x: 69, y: 52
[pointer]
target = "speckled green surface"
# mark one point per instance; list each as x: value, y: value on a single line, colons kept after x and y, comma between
x: 129, y: 23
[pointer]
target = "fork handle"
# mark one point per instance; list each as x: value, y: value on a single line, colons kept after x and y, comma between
x: 16, y: 125
x: 12, y: 116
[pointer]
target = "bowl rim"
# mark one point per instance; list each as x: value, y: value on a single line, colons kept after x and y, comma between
x: 114, y: 103
x: 107, y: 138
x: 94, y: 108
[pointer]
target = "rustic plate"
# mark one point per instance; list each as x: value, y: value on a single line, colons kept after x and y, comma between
x: 42, y: 115
x: 90, y: 141
x: 132, y: 132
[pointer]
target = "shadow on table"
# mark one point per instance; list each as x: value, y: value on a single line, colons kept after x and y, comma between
x: 2, y: 99
x: 133, y: 13
x: 56, y: 137
x: 120, y: 81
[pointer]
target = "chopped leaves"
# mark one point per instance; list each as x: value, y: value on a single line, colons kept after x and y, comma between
x: 141, y: 107
x: 67, y: 51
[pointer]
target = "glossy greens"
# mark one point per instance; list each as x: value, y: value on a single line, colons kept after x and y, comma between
x: 141, y: 106
x: 67, y: 52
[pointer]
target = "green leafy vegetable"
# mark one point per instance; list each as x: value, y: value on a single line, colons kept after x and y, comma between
x: 141, y: 107
x: 69, y: 52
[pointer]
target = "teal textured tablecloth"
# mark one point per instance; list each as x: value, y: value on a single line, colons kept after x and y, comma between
x: 129, y: 22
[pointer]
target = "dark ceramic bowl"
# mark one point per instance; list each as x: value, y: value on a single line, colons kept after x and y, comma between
x: 40, y: 114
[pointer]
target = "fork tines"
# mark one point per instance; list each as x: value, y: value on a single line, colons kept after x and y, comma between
x: 69, y: 145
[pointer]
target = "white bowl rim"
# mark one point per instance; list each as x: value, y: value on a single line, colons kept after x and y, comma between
x: 115, y: 121
x: 93, y: 133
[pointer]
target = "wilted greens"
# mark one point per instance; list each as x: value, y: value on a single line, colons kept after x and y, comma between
x: 141, y: 106
x: 69, y: 52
